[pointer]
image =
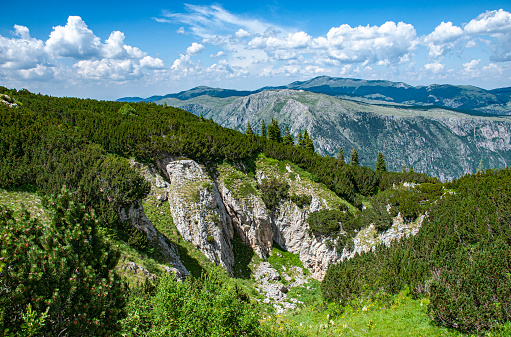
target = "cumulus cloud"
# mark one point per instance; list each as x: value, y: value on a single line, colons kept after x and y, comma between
x: 434, y: 67
x: 150, y: 62
x: 74, y: 40
x: 116, y: 70
x: 241, y: 33
x: 219, y: 54
x: 496, y: 24
x: 443, y: 39
x: 27, y: 58
x: 195, y: 48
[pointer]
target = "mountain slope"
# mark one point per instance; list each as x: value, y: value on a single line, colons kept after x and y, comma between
x: 451, y: 96
x: 440, y: 142
x: 462, y: 97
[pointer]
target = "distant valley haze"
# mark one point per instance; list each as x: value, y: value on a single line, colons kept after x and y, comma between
x: 107, y: 50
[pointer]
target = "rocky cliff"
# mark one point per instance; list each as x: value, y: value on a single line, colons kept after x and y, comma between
x: 209, y: 206
x: 443, y: 143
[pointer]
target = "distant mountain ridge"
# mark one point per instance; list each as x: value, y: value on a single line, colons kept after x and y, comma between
x: 461, y: 97
x: 441, y: 142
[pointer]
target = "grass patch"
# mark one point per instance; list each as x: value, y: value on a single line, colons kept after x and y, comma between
x: 283, y: 261
x: 20, y: 199
x: 404, y: 317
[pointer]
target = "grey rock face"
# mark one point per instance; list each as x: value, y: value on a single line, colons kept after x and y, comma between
x: 199, y: 213
x: 137, y: 218
x: 250, y: 218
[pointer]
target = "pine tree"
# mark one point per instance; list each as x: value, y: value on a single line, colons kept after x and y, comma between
x: 380, y: 163
x: 299, y: 142
x: 340, y: 155
x: 63, y: 268
x: 403, y: 170
x: 249, y: 131
x: 288, y: 139
x: 274, y: 131
x: 411, y: 169
x: 354, y: 157
x: 263, y: 129
x: 307, y: 141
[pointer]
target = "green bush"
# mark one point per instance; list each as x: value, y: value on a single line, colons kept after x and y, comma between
x: 63, y: 269
x: 202, y: 307
x: 273, y: 192
x: 326, y: 221
x: 472, y: 292
x: 301, y: 200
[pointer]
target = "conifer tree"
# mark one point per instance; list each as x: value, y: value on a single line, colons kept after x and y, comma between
x: 274, y: 131
x: 380, y: 163
x: 307, y: 141
x: 263, y: 129
x: 411, y: 169
x: 354, y: 157
x: 63, y: 269
x: 249, y: 130
x: 403, y: 170
x: 299, y: 141
x: 288, y: 139
x: 340, y: 155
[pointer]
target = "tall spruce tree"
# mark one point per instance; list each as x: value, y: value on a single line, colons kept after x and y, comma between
x: 307, y: 142
x: 354, y: 157
x: 249, y: 130
x: 288, y: 139
x: 380, y: 163
x: 274, y: 131
x: 340, y: 155
x: 263, y: 129
x: 299, y: 141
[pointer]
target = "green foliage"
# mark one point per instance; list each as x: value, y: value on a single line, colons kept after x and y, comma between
x: 203, y: 307
x: 326, y: 221
x: 459, y: 257
x: 474, y: 293
x: 274, y: 131
x: 249, y: 131
x: 273, y: 192
x: 127, y: 110
x: 63, y: 269
x: 288, y: 138
x: 340, y: 155
x: 301, y: 200
x: 264, y: 134
x: 380, y: 163
x: 354, y: 157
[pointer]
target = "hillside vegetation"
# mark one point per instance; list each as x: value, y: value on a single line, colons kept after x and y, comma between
x: 57, y: 266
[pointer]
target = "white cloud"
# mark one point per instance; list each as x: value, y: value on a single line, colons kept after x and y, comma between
x: 195, y: 48
x: 434, y: 67
x: 203, y: 20
x: 496, y: 24
x: 219, y: 54
x: 443, y: 39
x: 241, y: 33
x: 151, y: 63
x: 116, y: 70
x: 181, y: 30
x: 24, y: 52
x: 73, y: 40
x: 471, y: 65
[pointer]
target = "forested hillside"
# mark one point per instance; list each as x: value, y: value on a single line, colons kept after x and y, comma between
x: 89, y: 162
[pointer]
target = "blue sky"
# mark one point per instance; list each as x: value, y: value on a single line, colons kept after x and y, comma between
x: 111, y: 49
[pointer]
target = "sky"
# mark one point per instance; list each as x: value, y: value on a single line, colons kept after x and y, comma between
x: 113, y: 49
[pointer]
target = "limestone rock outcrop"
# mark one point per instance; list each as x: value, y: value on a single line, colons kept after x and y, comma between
x: 198, y: 211
x: 136, y: 217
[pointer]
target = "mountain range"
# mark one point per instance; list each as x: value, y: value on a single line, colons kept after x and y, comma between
x: 443, y: 130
